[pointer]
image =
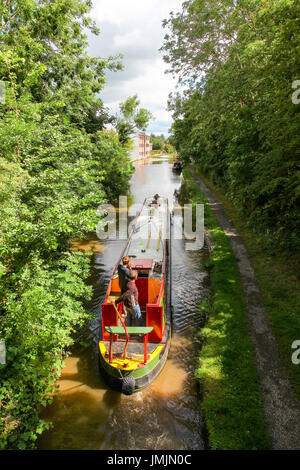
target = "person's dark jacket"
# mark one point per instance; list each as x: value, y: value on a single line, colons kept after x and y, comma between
x: 130, y: 296
x: 123, y: 277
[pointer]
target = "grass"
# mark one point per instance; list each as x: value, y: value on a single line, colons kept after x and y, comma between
x: 226, y: 371
x: 278, y: 277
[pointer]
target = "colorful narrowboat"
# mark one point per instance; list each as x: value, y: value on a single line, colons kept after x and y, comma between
x: 131, y: 357
x: 177, y: 167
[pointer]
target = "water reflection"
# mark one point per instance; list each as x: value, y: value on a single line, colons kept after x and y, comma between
x: 166, y: 415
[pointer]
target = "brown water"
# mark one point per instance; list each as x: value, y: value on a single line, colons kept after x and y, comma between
x: 167, y: 414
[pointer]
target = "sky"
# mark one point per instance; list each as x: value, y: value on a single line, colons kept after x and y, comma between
x: 134, y: 28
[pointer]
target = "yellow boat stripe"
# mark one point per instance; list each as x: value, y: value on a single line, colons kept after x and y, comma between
x: 131, y: 364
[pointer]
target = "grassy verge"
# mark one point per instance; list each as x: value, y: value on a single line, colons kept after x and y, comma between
x: 226, y: 373
x: 279, y: 282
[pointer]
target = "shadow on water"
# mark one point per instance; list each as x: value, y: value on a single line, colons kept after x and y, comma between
x: 166, y: 415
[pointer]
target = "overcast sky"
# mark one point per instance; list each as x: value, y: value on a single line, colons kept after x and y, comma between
x: 133, y: 28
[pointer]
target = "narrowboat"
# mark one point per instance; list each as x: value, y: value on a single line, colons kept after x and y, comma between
x: 131, y: 357
x: 177, y: 167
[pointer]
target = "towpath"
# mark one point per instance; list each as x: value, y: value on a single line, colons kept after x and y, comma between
x: 281, y: 408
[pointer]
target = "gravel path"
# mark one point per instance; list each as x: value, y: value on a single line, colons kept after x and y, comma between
x: 281, y: 408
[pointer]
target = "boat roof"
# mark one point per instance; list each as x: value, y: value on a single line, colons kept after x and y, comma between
x: 146, y: 244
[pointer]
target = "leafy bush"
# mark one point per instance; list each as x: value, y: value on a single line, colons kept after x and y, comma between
x: 57, y: 165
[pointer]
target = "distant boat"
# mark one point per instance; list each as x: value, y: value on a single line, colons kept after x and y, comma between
x: 177, y: 167
x: 132, y: 357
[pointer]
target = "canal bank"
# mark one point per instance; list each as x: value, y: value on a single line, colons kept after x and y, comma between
x: 167, y: 414
x: 226, y: 372
x: 280, y: 405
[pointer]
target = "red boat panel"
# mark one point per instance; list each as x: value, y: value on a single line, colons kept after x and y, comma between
x: 141, y: 263
x: 155, y: 319
x: 142, y: 287
x: 109, y: 318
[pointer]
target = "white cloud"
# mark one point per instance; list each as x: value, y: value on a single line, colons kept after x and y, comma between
x: 128, y: 39
x: 151, y: 88
x: 134, y: 28
x: 118, y: 11
x: 121, y: 12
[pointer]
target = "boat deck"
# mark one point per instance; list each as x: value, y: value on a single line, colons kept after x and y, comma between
x: 133, y: 349
x: 148, y: 235
x: 136, y: 347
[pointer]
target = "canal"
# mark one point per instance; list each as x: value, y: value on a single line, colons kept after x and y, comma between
x: 165, y: 416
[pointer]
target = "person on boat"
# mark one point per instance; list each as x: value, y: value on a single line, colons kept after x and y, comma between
x: 155, y: 199
x: 130, y: 299
x: 124, y: 271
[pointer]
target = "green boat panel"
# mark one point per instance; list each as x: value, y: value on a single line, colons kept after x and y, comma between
x: 135, y: 330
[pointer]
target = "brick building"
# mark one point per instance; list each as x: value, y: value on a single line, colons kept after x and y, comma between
x: 142, y: 146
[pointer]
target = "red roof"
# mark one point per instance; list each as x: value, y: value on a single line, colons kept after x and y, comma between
x: 141, y: 263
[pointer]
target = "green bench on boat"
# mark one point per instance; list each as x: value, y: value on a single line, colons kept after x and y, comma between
x: 134, y: 330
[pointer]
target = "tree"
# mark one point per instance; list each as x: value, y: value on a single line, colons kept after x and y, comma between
x: 202, y: 35
x: 157, y: 142
x: 237, y: 119
x: 132, y: 118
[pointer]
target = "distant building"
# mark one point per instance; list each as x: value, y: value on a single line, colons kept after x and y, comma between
x: 142, y: 146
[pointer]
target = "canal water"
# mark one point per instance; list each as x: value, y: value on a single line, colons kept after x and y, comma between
x: 167, y: 414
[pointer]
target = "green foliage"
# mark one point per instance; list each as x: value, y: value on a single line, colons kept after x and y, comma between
x: 279, y: 283
x: 227, y: 374
x: 39, y: 315
x: 237, y: 119
x: 118, y: 167
x: 161, y: 143
x: 157, y: 142
x: 132, y: 118
x: 57, y: 166
x: 169, y: 148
